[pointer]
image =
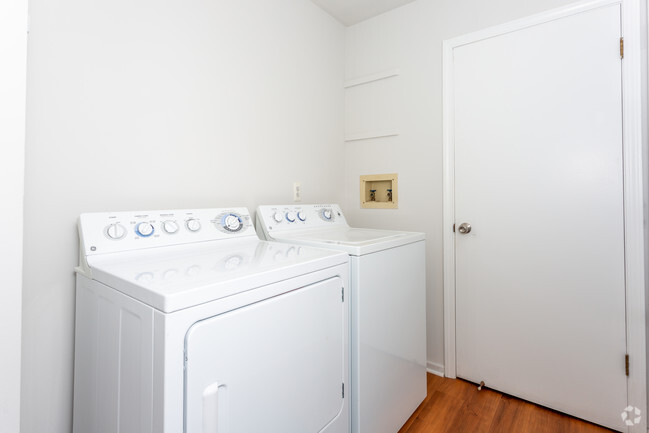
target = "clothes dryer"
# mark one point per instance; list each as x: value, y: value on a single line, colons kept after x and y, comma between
x: 388, y: 288
x: 187, y: 322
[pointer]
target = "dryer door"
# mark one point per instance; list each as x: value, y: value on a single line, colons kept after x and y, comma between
x: 273, y: 366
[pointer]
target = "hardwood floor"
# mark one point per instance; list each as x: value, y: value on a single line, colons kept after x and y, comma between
x: 456, y: 406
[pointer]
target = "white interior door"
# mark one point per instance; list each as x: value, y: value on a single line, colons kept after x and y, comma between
x: 274, y: 366
x: 540, y: 291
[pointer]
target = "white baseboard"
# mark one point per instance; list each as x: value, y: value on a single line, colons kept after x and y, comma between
x: 436, y: 369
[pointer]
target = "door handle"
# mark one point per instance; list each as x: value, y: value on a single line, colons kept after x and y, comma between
x: 464, y: 228
x: 214, y: 410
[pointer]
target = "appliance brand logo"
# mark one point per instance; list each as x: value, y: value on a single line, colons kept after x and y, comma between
x: 631, y: 415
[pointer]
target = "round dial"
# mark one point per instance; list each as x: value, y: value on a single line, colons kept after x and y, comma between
x: 116, y: 231
x: 327, y: 214
x: 301, y: 215
x: 170, y: 227
x: 232, y: 222
x: 278, y: 217
x: 193, y: 225
x: 290, y: 216
x: 144, y: 229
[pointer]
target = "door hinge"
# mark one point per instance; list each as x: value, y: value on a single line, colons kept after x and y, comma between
x: 621, y: 48
x: 626, y: 364
x: 453, y: 228
x: 343, y: 389
x: 342, y: 294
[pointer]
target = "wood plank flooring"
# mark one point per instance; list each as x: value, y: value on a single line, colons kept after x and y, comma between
x: 456, y: 406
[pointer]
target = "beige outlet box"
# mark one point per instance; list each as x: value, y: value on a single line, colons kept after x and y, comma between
x: 379, y: 191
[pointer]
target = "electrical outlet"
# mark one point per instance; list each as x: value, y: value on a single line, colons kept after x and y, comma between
x: 297, y: 191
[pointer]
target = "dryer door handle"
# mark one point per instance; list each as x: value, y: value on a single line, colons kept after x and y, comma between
x: 215, y: 408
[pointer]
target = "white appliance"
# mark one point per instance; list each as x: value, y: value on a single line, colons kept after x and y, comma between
x: 187, y: 322
x: 388, y: 331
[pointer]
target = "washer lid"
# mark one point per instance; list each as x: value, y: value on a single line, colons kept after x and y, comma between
x: 353, y: 241
x: 176, y: 277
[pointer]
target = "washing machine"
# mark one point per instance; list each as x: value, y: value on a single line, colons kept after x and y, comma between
x: 388, y: 294
x: 187, y: 322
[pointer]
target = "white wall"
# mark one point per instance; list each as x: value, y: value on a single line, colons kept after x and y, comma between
x: 162, y: 104
x: 13, y: 51
x: 410, y: 39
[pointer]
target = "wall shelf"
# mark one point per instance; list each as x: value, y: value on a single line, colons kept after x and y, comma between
x: 373, y: 106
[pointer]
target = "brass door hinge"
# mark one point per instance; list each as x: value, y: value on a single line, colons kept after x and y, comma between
x: 453, y: 228
x: 621, y: 48
x: 626, y: 364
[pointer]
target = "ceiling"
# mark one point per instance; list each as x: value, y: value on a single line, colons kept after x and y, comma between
x: 351, y: 12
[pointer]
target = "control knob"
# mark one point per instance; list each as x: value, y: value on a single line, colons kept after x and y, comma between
x: 290, y: 216
x: 278, y: 217
x: 232, y: 222
x: 327, y: 214
x: 144, y: 229
x: 116, y: 231
x: 193, y: 225
x: 301, y: 215
x: 170, y: 226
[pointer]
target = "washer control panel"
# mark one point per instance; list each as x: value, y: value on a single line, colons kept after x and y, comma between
x: 290, y: 217
x: 122, y: 231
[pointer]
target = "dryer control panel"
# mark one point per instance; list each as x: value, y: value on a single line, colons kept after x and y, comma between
x: 109, y: 232
x: 296, y: 217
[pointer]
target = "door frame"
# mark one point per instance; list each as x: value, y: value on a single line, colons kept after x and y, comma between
x: 632, y: 69
x: 13, y: 85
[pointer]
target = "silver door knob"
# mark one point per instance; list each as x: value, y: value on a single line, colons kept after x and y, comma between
x: 464, y: 228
